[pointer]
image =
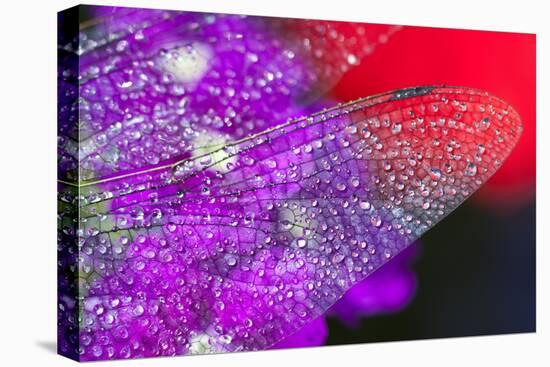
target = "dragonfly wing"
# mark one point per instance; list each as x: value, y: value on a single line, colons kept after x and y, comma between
x: 242, y: 245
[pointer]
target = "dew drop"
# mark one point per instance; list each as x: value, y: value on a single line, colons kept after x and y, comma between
x: 365, y: 205
x: 252, y: 57
x: 435, y: 174
x: 480, y: 149
x: 338, y: 258
x: 376, y: 221
x: 109, y: 318
x: 231, y: 260
x: 485, y: 123
x: 397, y: 127
x: 340, y: 186
x: 352, y: 59
x: 125, y: 84
x: 301, y: 242
x: 138, y: 310
x: 471, y: 169
x: 271, y: 163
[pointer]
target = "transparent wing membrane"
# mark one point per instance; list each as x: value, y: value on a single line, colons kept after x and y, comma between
x: 237, y: 245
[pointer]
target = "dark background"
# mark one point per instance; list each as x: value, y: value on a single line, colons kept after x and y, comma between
x: 476, y: 276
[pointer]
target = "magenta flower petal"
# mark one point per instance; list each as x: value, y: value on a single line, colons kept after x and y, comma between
x: 311, y: 335
x: 387, y: 290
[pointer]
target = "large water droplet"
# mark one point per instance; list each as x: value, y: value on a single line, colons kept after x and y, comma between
x: 471, y: 169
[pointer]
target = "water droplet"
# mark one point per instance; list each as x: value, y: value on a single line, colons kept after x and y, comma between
x: 340, y: 186
x: 480, y: 149
x: 301, y: 242
x: 138, y: 310
x: 485, y: 123
x: 352, y: 59
x: 471, y: 169
x: 271, y: 163
x: 109, y: 318
x: 376, y: 221
x: 252, y: 57
x: 125, y: 84
x: 121, y: 45
x: 365, y: 205
x: 397, y: 127
x: 187, y: 63
x: 99, y: 309
x: 226, y: 339
x: 231, y: 260
x: 435, y: 174
x: 337, y: 258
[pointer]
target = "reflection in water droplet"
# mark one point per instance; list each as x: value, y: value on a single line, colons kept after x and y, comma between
x: 376, y: 221
x: 485, y: 123
x: 435, y: 174
x: 365, y: 205
x: 397, y: 128
x: 352, y: 59
x: 187, y: 63
x: 471, y: 169
x: 231, y: 260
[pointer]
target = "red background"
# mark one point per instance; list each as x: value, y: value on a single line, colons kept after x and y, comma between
x: 500, y: 63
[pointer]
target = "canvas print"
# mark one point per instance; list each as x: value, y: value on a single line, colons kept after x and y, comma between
x: 231, y: 183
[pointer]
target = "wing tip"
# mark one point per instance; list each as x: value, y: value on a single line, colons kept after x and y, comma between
x: 411, y: 92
